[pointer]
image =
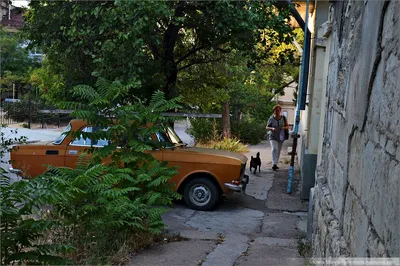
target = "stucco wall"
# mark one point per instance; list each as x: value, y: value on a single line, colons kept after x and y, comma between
x: 357, y: 192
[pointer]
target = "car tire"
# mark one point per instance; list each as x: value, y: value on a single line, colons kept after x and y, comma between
x: 201, y: 194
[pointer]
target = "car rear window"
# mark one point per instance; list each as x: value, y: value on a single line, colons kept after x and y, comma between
x: 81, y: 141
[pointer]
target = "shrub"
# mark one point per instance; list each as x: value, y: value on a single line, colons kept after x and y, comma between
x: 99, y: 208
x: 106, y: 204
x: 227, y: 144
x: 249, y: 130
x: 22, y: 228
x: 204, y: 130
x: 19, y: 112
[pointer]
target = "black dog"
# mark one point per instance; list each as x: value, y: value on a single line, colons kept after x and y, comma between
x: 254, y: 162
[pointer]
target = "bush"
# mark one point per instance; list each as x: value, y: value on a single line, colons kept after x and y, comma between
x: 23, y: 230
x: 105, y: 205
x: 19, y: 112
x: 249, y: 131
x: 231, y: 144
x: 204, y: 130
x: 98, y: 208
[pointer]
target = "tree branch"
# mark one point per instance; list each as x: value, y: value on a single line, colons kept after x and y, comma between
x: 225, y: 51
x: 196, y: 62
x: 154, y: 51
x: 191, y: 52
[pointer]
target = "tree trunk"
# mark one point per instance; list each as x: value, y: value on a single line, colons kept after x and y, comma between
x: 171, y: 77
x: 170, y: 38
x: 226, y: 121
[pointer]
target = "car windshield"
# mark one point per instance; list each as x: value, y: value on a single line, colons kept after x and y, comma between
x: 173, y: 136
x: 64, y: 133
x: 168, y: 138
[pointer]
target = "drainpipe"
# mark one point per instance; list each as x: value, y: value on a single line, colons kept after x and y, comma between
x: 298, y: 47
x: 301, y: 100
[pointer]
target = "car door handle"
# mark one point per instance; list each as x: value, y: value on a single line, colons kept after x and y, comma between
x: 51, y: 152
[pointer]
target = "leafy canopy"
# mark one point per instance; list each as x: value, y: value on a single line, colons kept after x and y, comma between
x: 150, y: 41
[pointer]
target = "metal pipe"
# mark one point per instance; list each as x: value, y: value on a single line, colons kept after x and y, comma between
x: 303, y: 84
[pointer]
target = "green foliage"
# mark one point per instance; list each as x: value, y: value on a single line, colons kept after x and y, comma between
x: 13, y: 57
x: 249, y: 130
x: 49, y: 82
x: 20, y: 112
x: 15, y: 63
x: 204, y: 130
x: 22, y: 229
x: 120, y: 192
x: 249, y: 91
x: 121, y: 189
x: 227, y: 144
x: 151, y: 41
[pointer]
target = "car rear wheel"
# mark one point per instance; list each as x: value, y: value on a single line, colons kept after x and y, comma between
x: 201, y: 194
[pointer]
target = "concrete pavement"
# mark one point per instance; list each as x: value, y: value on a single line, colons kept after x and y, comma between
x: 32, y: 134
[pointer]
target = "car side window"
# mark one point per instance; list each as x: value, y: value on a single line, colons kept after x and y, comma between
x: 80, y: 141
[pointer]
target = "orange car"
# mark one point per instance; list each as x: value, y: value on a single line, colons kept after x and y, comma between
x: 203, y: 174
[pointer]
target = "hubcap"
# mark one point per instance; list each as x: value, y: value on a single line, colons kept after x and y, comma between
x: 200, y: 195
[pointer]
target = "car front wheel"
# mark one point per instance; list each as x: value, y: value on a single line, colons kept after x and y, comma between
x: 201, y: 194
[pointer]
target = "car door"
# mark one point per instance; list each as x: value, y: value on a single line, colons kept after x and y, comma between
x: 157, y: 151
x: 81, y: 145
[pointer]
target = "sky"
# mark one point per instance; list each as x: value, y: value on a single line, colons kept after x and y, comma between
x: 20, y: 3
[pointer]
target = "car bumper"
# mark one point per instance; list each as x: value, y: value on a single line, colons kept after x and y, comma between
x: 238, y: 187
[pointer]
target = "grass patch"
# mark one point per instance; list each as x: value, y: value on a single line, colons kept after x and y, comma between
x: 304, y: 248
x: 139, y: 242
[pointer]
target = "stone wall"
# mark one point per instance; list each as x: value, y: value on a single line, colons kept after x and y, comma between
x: 356, y: 210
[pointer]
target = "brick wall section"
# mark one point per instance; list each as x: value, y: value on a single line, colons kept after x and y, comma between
x: 357, y: 192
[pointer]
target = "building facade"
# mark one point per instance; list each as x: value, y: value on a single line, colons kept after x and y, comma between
x: 354, y: 110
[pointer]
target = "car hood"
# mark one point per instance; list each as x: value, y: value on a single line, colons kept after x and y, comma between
x: 214, y: 152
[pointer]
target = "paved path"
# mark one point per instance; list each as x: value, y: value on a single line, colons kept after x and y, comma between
x: 246, y: 229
